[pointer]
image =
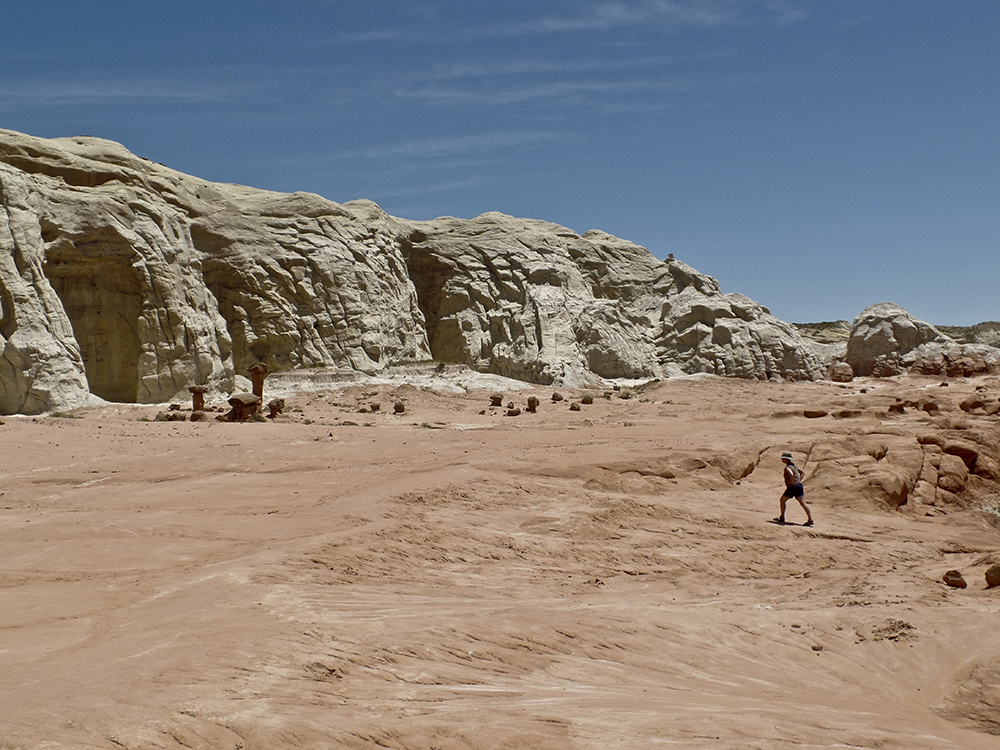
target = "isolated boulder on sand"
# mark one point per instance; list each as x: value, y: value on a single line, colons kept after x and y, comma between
x: 993, y: 576
x: 954, y: 579
x: 841, y: 373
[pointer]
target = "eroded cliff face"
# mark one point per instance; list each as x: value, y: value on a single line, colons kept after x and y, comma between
x: 535, y: 301
x: 128, y: 281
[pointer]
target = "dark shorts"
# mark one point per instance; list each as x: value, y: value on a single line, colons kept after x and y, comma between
x: 795, y: 490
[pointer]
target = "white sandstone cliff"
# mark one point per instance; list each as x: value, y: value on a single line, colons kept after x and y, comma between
x: 128, y: 281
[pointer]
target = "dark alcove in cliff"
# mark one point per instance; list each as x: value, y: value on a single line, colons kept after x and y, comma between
x: 100, y: 293
x: 430, y: 276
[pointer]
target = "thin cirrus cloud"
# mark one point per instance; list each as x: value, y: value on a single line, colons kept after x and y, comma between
x: 576, y: 92
x: 433, y: 148
x: 537, y: 67
x: 430, y: 188
x: 67, y: 93
x: 606, y: 16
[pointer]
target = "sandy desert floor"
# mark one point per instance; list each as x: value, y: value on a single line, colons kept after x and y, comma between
x: 453, y: 577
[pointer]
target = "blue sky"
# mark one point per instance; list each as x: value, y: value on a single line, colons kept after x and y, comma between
x: 817, y: 156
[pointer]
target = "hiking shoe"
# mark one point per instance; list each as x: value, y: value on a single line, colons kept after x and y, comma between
x: 808, y: 523
x: 780, y: 521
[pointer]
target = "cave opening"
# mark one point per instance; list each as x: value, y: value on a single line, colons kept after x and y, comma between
x: 103, y: 300
x: 430, y: 276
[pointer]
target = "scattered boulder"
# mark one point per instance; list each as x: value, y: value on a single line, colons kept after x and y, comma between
x: 513, y: 412
x: 574, y: 406
x: 954, y: 579
x: 199, y: 416
x: 275, y: 407
x: 587, y: 399
x: 814, y: 413
x: 993, y: 576
x: 841, y: 373
x: 557, y: 396
x: 532, y: 404
x: 399, y: 407
x: 496, y: 399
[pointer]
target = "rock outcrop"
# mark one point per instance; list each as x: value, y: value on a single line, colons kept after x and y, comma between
x: 886, y: 340
x: 129, y: 281
x: 535, y: 301
x: 125, y: 280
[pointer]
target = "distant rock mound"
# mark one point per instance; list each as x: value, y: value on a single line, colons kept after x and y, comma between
x: 886, y: 340
x: 982, y: 333
x: 125, y: 280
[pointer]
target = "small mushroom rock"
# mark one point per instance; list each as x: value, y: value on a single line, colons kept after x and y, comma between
x: 496, y: 399
x: 574, y: 406
x: 257, y: 374
x: 532, y: 404
x: 244, y: 406
x: 197, y: 397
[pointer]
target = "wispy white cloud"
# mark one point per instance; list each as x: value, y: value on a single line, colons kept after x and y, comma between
x: 425, y: 189
x: 537, y: 66
x: 555, y: 92
x: 450, y: 146
x: 573, y: 91
x: 786, y: 13
x: 608, y: 15
x: 67, y: 93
